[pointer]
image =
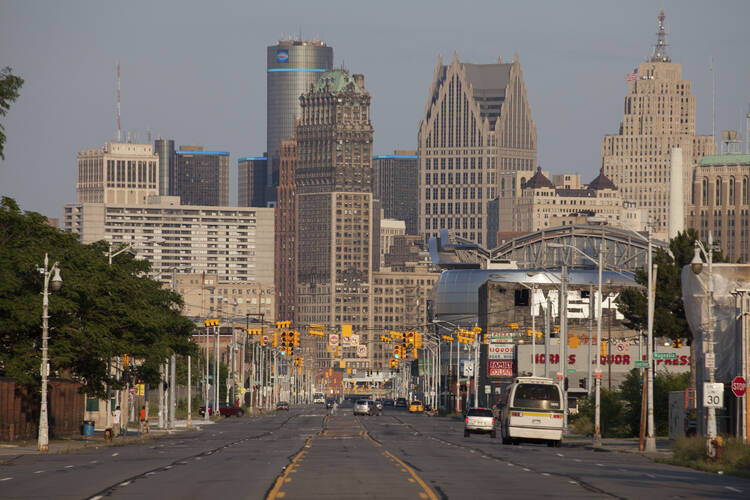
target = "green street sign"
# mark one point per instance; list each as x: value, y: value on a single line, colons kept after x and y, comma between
x: 641, y: 364
x: 571, y: 370
x: 665, y: 355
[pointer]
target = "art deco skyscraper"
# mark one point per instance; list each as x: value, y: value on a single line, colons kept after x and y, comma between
x: 335, y: 210
x: 477, y: 122
x: 291, y: 67
x: 659, y: 116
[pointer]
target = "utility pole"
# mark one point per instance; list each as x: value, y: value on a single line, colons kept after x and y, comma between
x: 161, y: 396
x: 547, y: 334
x: 650, y: 439
x: 564, y: 342
x: 172, y: 391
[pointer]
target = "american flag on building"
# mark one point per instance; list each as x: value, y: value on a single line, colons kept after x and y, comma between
x: 633, y: 75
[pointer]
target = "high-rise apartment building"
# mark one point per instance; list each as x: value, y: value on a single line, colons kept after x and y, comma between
x: 251, y: 181
x: 291, y: 67
x: 202, y: 177
x: 164, y: 149
x: 659, y: 116
x: 393, y: 184
x: 286, y: 233
x: 234, y: 243
x: 718, y: 202
x: 117, y: 173
x: 477, y: 123
x: 335, y: 209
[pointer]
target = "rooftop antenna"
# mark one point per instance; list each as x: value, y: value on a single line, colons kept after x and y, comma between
x: 747, y: 129
x: 119, y: 134
x: 713, y: 99
x: 659, y: 54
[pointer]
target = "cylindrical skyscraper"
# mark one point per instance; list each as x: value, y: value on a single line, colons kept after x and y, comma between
x: 292, y: 66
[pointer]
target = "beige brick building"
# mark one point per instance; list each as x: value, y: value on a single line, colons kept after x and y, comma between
x: 659, y: 115
x: 117, y: 173
x: 477, y: 123
x: 719, y: 203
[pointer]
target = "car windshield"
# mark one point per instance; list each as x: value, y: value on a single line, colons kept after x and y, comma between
x: 479, y: 412
x: 537, y: 396
x: 362, y: 402
x: 416, y: 402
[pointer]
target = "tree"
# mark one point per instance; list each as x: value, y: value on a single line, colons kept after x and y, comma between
x: 664, y: 383
x: 101, y: 310
x: 9, y: 86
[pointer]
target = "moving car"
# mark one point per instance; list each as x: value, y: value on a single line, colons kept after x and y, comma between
x: 416, y: 407
x: 362, y: 407
x: 225, y: 410
x: 282, y: 405
x: 479, y: 420
x: 388, y: 402
x: 329, y: 403
x: 532, y: 410
x: 375, y: 408
x: 401, y: 403
x: 318, y: 398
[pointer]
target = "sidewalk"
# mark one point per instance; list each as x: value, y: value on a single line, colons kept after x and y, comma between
x: 67, y: 444
x: 622, y: 445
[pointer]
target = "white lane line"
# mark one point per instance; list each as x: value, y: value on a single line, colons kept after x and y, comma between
x: 6, y: 479
x: 572, y: 482
x: 97, y: 497
x: 600, y: 465
x: 622, y: 470
x: 736, y: 490
x: 576, y: 459
x: 68, y: 466
x: 651, y: 476
x: 125, y: 483
x: 545, y: 474
x: 560, y: 455
x: 510, y: 464
x: 526, y: 470
x: 94, y: 462
x: 115, y: 454
x: 150, y: 473
x: 38, y: 472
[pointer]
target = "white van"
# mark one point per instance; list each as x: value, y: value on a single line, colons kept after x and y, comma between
x: 319, y: 398
x: 532, y: 410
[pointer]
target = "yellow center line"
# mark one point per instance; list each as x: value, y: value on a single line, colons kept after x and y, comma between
x: 282, y: 479
x: 418, y: 479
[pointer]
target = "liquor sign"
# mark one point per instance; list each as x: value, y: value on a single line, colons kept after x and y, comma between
x: 362, y: 351
x: 500, y: 368
x: 501, y: 351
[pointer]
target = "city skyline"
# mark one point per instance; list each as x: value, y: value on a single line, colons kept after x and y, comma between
x: 68, y: 101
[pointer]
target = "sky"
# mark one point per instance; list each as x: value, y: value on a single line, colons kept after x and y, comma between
x: 194, y: 71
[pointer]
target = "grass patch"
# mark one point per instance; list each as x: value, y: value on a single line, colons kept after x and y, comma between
x: 691, y: 452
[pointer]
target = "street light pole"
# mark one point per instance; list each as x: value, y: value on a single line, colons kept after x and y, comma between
x: 43, y: 440
x: 650, y: 438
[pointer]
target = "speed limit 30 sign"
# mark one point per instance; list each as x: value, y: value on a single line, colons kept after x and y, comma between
x: 713, y: 395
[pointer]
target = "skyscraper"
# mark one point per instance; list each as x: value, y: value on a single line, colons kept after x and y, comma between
x: 164, y: 149
x: 477, y: 122
x: 251, y: 181
x: 335, y: 209
x: 659, y: 116
x: 285, y: 274
x: 291, y: 67
x: 202, y: 177
x: 393, y: 184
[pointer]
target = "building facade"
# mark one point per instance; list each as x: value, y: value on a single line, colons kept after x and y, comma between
x: 251, y: 181
x: 202, y: 177
x: 234, y: 243
x: 164, y: 149
x: 393, y: 184
x: 117, y: 173
x: 659, y: 116
x: 291, y: 67
x: 335, y: 210
x: 286, y: 233
x: 477, y: 123
x: 389, y: 230
x: 718, y: 203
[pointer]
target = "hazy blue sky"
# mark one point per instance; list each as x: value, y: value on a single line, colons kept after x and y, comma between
x: 195, y: 71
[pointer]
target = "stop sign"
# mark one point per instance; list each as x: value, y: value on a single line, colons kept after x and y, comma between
x: 739, y: 386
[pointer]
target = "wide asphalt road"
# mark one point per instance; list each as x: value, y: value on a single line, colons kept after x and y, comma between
x: 306, y: 454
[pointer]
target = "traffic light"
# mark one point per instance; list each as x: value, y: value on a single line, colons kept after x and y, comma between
x: 582, y: 383
x: 295, y: 338
x: 125, y: 360
x: 282, y: 325
x: 409, y: 340
x: 211, y: 322
x: 603, y: 348
x: 397, y: 351
x: 415, y: 353
x: 573, y: 342
x: 316, y: 330
x: 417, y: 340
x: 447, y: 338
x: 275, y: 340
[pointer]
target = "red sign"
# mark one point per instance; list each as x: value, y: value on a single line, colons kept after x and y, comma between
x: 500, y: 368
x: 739, y: 386
x: 559, y: 376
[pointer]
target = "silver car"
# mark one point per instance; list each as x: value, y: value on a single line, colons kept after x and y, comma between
x: 362, y: 407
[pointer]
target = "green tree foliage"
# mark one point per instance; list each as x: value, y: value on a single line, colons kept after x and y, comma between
x: 632, y: 396
x: 101, y: 310
x: 9, y: 87
x: 669, y: 311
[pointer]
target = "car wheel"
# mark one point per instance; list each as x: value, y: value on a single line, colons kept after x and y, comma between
x: 493, y: 434
x: 466, y: 433
x: 240, y: 413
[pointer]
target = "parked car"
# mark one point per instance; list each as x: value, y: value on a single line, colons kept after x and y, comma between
x: 362, y: 407
x: 225, y: 410
x: 379, y: 404
x: 479, y: 420
x: 416, y: 407
x: 282, y: 405
x: 401, y: 403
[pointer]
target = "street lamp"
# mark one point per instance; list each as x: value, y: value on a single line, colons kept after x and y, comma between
x: 696, y: 265
x: 55, y: 283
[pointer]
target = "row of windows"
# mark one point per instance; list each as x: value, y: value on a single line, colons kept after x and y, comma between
x: 731, y: 195
x: 447, y: 193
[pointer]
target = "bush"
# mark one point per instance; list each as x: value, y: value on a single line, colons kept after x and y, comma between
x: 612, y: 413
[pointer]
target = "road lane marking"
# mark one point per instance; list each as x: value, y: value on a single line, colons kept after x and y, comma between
x: 545, y: 474
x: 736, y: 490
x: 560, y: 455
x: 94, y: 462
x: 576, y: 459
x: 421, y: 483
x: 125, y: 483
x: 115, y: 454
x: 6, y: 479
x: 38, y: 472
x: 651, y: 476
x: 526, y: 470
x: 68, y: 466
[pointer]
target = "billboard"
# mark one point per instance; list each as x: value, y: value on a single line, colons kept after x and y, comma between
x: 500, y: 368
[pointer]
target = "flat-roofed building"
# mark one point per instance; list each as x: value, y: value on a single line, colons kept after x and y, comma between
x: 117, y: 173
x: 205, y: 296
x: 202, y: 177
x: 236, y: 243
x: 393, y: 184
x: 251, y: 181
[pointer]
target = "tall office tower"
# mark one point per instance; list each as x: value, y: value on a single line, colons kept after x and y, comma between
x: 117, y: 173
x: 202, y: 177
x: 251, y: 181
x: 393, y: 184
x: 291, y: 67
x: 659, y: 116
x: 335, y: 210
x: 286, y: 234
x: 720, y: 203
x: 477, y: 123
x: 165, y: 151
